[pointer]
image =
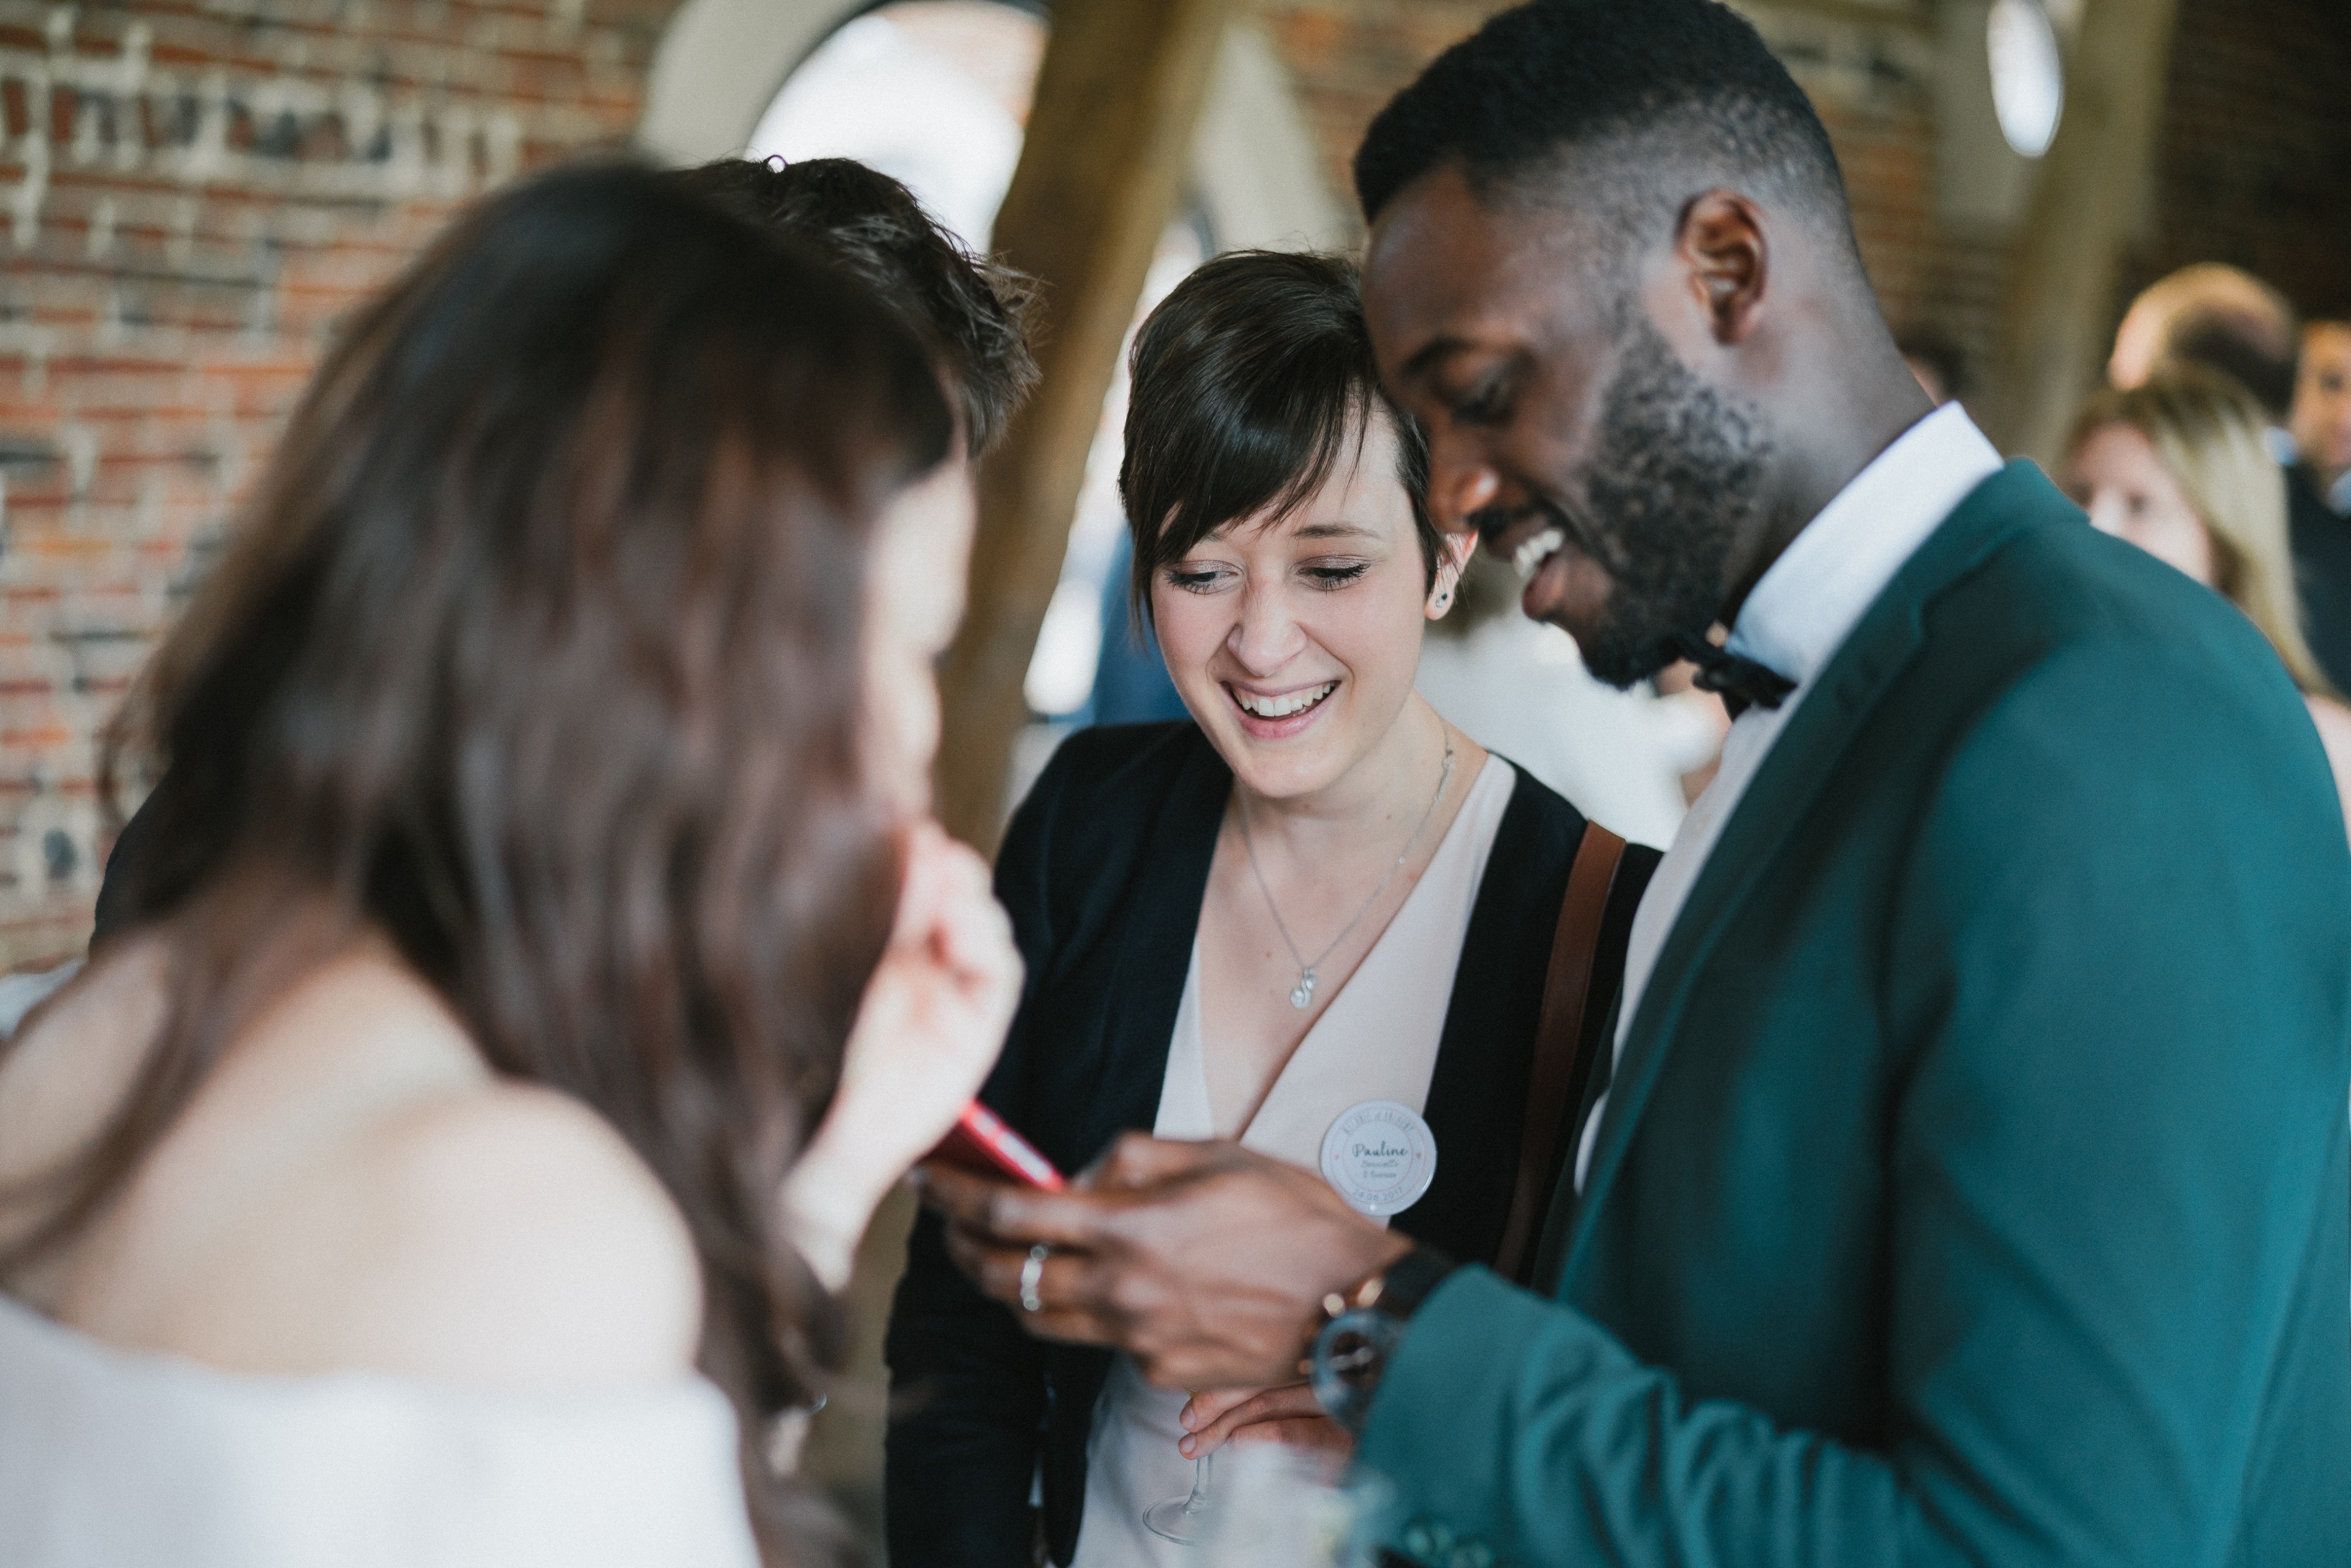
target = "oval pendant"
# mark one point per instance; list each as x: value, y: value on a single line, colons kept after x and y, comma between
x: 1301, y: 995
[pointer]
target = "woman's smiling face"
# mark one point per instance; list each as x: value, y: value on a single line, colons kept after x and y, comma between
x: 1295, y: 645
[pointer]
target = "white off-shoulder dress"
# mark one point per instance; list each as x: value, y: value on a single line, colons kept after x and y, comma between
x: 111, y: 1459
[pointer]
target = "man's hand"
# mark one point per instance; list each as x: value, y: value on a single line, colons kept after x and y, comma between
x: 1203, y: 1262
x: 1288, y: 1416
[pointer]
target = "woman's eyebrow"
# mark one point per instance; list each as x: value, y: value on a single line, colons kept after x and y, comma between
x: 1335, y: 531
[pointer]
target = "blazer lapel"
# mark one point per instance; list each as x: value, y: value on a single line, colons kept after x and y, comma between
x: 1156, y: 950
x: 1477, y: 1089
x: 1800, y: 763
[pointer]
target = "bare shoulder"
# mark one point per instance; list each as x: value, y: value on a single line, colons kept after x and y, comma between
x: 518, y: 1241
x: 354, y: 1190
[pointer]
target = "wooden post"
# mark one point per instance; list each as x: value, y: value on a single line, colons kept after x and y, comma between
x: 1108, y: 141
x: 2059, y: 313
x: 1109, y: 138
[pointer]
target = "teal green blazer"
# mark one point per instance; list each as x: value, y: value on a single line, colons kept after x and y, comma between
x: 1974, y: 1187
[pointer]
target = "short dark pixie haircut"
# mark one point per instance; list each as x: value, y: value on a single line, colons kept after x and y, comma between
x: 1633, y: 86
x: 1249, y: 383
x: 869, y: 226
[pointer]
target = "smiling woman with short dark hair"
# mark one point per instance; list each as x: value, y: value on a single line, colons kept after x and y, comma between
x: 1314, y: 906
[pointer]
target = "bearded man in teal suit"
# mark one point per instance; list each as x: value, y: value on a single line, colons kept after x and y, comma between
x: 1970, y: 1182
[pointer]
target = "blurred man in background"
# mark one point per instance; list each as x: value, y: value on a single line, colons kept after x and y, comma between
x: 2319, y: 494
x: 2212, y: 315
x: 2321, y: 421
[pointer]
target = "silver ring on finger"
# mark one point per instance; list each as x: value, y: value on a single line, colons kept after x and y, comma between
x: 1031, y: 1272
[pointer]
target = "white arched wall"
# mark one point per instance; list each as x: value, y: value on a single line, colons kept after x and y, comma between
x: 1254, y: 163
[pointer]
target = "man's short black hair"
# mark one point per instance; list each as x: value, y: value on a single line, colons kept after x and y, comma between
x: 1664, y: 80
x: 1250, y: 383
x: 871, y: 226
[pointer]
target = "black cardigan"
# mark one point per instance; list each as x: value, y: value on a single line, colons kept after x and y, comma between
x: 1103, y: 869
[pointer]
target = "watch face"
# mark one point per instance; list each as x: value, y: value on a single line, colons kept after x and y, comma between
x: 1350, y: 1354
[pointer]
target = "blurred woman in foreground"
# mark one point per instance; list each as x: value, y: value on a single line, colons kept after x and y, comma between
x: 547, y: 758
x: 2179, y: 465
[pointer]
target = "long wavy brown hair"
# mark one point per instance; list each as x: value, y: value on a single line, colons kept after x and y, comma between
x: 538, y: 654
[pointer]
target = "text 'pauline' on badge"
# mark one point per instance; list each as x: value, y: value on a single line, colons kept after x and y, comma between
x: 1380, y: 1157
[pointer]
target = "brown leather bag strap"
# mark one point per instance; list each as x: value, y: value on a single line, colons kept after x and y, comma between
x: 1557, y: 1069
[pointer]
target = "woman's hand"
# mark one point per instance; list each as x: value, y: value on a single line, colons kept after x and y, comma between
x: 929, y: 1028
x: 1216, y: 1417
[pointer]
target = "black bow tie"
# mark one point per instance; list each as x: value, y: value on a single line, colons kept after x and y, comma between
x: 1741, y: 682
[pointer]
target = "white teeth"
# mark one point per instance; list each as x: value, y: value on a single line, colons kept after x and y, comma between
x: 1529, y: 558
x: 1283, y: 706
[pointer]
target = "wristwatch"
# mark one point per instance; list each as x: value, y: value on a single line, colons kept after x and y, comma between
x: 1361, y: 1329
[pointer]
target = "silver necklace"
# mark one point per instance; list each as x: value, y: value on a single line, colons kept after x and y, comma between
x: 1301, y: 995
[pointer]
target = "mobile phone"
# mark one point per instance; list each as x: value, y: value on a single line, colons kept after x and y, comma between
x: 981, y: 1144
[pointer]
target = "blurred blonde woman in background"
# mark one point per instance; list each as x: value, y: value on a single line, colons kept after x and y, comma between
x: 2178, y: 467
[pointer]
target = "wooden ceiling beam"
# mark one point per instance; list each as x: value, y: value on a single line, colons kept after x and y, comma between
x: 2060, y: 308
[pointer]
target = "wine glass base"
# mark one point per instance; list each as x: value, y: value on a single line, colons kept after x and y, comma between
x: 1177, y: 1520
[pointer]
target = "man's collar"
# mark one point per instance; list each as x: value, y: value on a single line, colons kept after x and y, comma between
x: 1812, y: 597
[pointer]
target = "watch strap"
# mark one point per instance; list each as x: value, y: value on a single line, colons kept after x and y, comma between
x: 1364, y: 1326
x: 1410, y: 1280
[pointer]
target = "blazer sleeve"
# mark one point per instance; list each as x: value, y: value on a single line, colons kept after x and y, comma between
x: 967, y: 1383
x: 2115, y: 1182
x: 967, y: 1401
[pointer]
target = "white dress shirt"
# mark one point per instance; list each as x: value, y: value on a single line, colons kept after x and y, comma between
x: 1520, y: 687
x: 1798, y: 616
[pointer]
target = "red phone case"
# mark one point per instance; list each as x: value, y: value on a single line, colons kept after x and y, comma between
x: 980, y: 1143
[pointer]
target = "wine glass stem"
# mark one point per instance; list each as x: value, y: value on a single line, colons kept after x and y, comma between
x: 1200, y: 1497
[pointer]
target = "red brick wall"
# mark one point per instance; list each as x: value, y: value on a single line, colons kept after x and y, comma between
x: 2256, y: 163
x: 190, y: 195
x: 1349, y: 57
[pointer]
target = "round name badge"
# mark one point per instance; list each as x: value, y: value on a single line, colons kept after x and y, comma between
x: 1380, y: 1157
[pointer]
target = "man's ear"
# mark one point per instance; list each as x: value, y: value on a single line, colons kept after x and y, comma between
x: 1720, y: 244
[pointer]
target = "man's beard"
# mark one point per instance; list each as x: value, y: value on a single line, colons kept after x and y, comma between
x: 1675, y: 476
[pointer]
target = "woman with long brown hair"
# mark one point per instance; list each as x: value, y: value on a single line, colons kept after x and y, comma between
x: 440, y: 1141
